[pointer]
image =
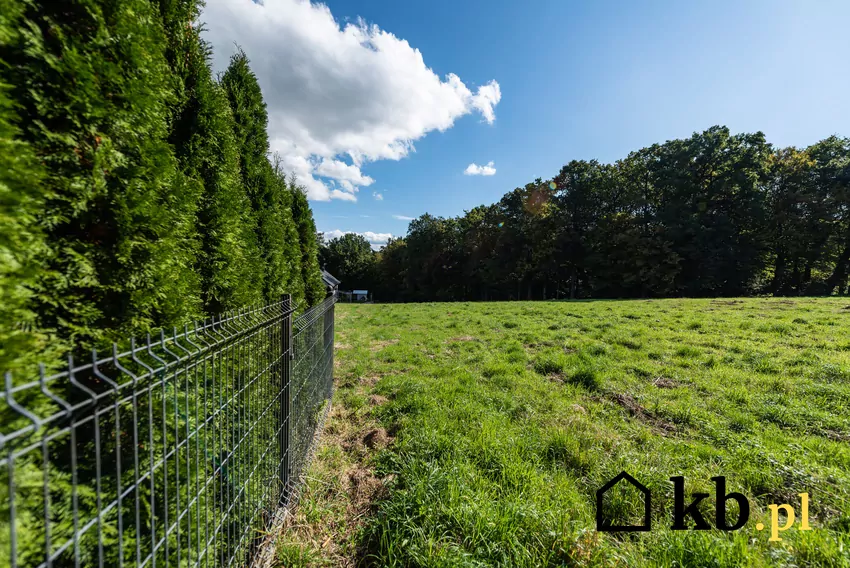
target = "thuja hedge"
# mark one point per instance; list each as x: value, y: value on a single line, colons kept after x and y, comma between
x: 136, y: 193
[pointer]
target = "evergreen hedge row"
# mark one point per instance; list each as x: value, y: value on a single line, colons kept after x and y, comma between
x: 136, y: 189
x: 136, y: 193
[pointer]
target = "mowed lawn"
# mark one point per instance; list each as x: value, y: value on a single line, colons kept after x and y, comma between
x: 477, y: 434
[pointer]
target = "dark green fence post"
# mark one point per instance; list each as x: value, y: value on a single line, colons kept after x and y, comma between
x: 286, y: 410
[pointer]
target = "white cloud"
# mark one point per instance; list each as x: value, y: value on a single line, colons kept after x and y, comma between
x: 338, y: 96
x: 487, y: 97
x: 377, y: 196
x: 344, y: 196
x: 403, y: 218
x: 377, y: 240
x: 474, y: 169
x: 342, y: 172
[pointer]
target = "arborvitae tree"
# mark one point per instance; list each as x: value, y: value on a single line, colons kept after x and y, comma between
x: 22, y: 245
x: 119, y: 218
x: 202, y: 132
x: 91, y: 89
x: 314, y: 288
x: 291, y: 245
x: 266, y: 187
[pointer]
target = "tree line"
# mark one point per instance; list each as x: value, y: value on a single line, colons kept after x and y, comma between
x: 715, y: 214
x: 136, y: 187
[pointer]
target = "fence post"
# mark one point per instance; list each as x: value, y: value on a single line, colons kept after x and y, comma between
x: 286, y: 409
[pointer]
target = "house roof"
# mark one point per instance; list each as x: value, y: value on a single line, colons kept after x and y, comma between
x: 329, y: 279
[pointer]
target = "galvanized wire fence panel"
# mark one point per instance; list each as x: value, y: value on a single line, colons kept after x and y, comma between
x: 174, y: 452
x: 312, y: 378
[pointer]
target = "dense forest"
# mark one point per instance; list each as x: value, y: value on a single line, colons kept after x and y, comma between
x: 136, y: 188
x: 715, y: 214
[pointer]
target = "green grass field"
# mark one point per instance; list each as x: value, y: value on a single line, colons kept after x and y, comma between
x: 477, y: 434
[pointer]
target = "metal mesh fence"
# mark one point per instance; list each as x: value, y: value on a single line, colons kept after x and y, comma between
x: 174, y: 452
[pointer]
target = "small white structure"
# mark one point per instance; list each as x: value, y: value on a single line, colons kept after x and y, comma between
x: 361, y: 296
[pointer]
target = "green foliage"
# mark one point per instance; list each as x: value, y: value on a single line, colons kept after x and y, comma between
x: 290, y: 245
x: 152, y: 201
x: 350, y: 258
x: 715, y: 214
x: 119, y: 218
x: 229, y: 261
x: 136, y: 192
x: 22, y: 244
x: 314, y: 288
x: 266, y: 185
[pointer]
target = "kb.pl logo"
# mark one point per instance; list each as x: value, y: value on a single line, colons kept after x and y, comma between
x: 682, y: 511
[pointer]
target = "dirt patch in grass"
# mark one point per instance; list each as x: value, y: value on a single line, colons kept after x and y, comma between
x: 463, y: 338
x: 837, y: 436
x: 628, y: 402
x: 377, y: 439
x: 378, y: 345
x: 377, y: 400
x: 360, y: 443
x: 342, y: 486
x: 371, y: 380
x: 663, y: 383
x: 364, y: 489
x: 559, y: 378
x: 341, y: 345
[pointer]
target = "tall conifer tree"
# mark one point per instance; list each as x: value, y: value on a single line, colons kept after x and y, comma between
x: 314, y: 288
x: 266, y: 185
x: 119, y: 219
x: 202, y: 132
x: 22, y: 243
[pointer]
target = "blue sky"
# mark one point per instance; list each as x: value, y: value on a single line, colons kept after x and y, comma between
x: 588, y: 80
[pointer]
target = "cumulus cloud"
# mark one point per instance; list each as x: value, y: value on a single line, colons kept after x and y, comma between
x: 339, y: 95
x: 474, y: 169
x: 341, y: 195
x: 403, y: 218
x: 377, y: 196
x: 342, y: 172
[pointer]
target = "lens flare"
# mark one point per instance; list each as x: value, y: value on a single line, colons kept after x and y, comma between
x: 553, y: 185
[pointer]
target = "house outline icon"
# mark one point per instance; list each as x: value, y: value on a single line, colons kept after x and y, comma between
x: 603, y: 526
